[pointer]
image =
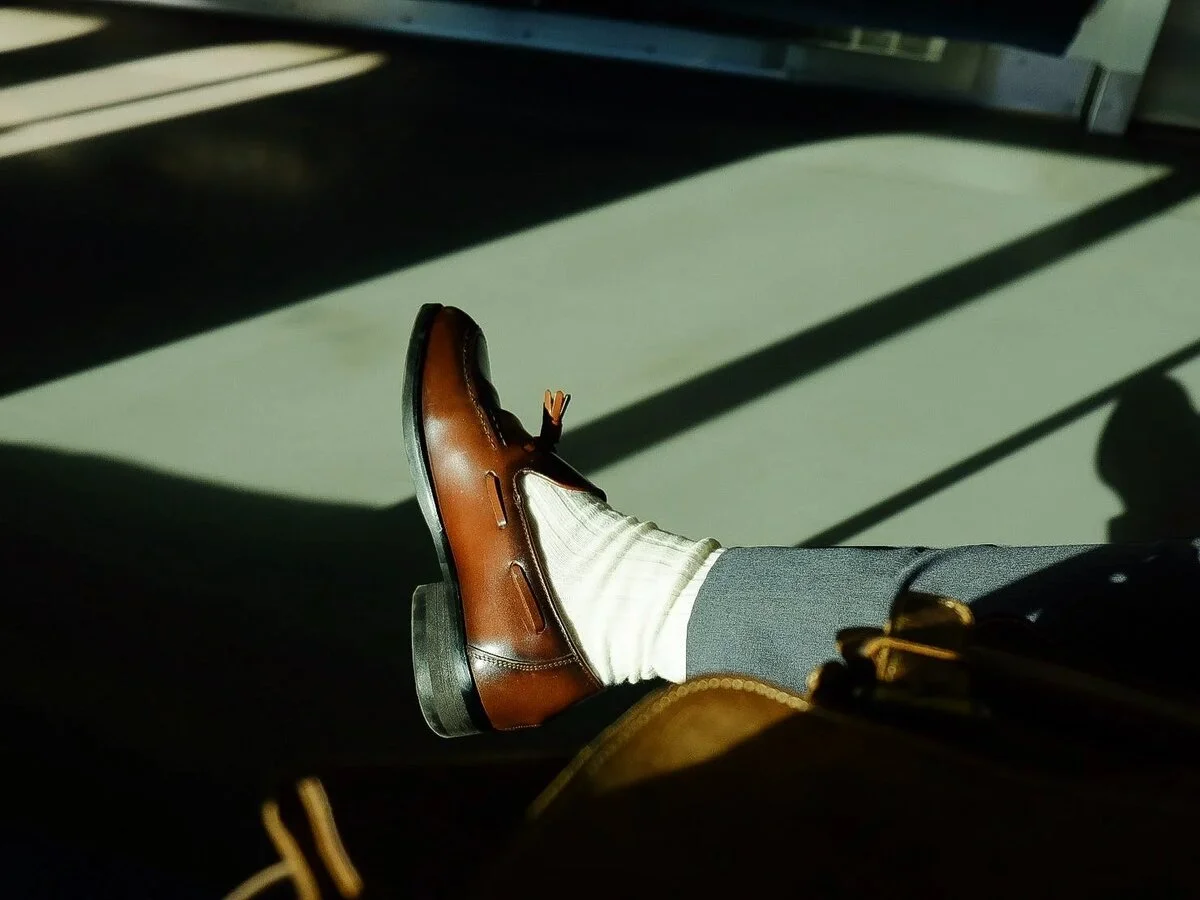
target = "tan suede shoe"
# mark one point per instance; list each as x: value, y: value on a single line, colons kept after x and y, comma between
x: 491, y: 649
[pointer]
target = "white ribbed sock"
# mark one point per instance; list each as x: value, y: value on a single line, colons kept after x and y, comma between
x: 625, y: 587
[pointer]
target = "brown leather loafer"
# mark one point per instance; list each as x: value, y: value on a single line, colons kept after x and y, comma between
x: 490, y: 648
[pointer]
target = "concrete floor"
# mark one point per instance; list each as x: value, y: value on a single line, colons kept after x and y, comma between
x: 785, y: 316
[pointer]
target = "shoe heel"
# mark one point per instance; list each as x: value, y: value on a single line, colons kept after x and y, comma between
x: 445, y: 687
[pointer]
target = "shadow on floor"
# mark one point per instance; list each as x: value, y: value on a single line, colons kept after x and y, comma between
x: 1115, y: 608
x: 1149, y: 454
x: 172, y: 648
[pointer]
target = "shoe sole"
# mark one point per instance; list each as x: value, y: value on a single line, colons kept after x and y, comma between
x: 445, y: 687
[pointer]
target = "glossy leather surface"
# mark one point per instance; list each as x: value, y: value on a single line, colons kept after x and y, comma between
x: 523, y: 658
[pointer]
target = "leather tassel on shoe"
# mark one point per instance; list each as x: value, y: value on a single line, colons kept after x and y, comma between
x: 554, y: 406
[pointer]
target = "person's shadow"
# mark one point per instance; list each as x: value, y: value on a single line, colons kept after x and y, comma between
x: 1128, y: 609
x: 1149, y: 454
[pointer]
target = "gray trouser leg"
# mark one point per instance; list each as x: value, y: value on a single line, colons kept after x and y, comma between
x: 773, y: 612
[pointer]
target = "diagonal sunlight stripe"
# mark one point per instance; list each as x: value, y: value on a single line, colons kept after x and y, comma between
x: 65, y: 129
x: 24, y: 28
x: 951, y: 475
x: 675, y: 410
x: 143, y: 78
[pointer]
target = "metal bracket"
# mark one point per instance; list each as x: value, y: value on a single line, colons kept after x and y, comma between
x: 1119, y: 37
x: 991, y: 76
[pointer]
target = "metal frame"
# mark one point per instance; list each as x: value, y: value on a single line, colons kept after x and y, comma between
x: 1095, y: 84
x: 1119, y: 38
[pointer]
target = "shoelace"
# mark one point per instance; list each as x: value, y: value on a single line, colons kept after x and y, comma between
x: 260, y: 881
x: 293, y: 864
